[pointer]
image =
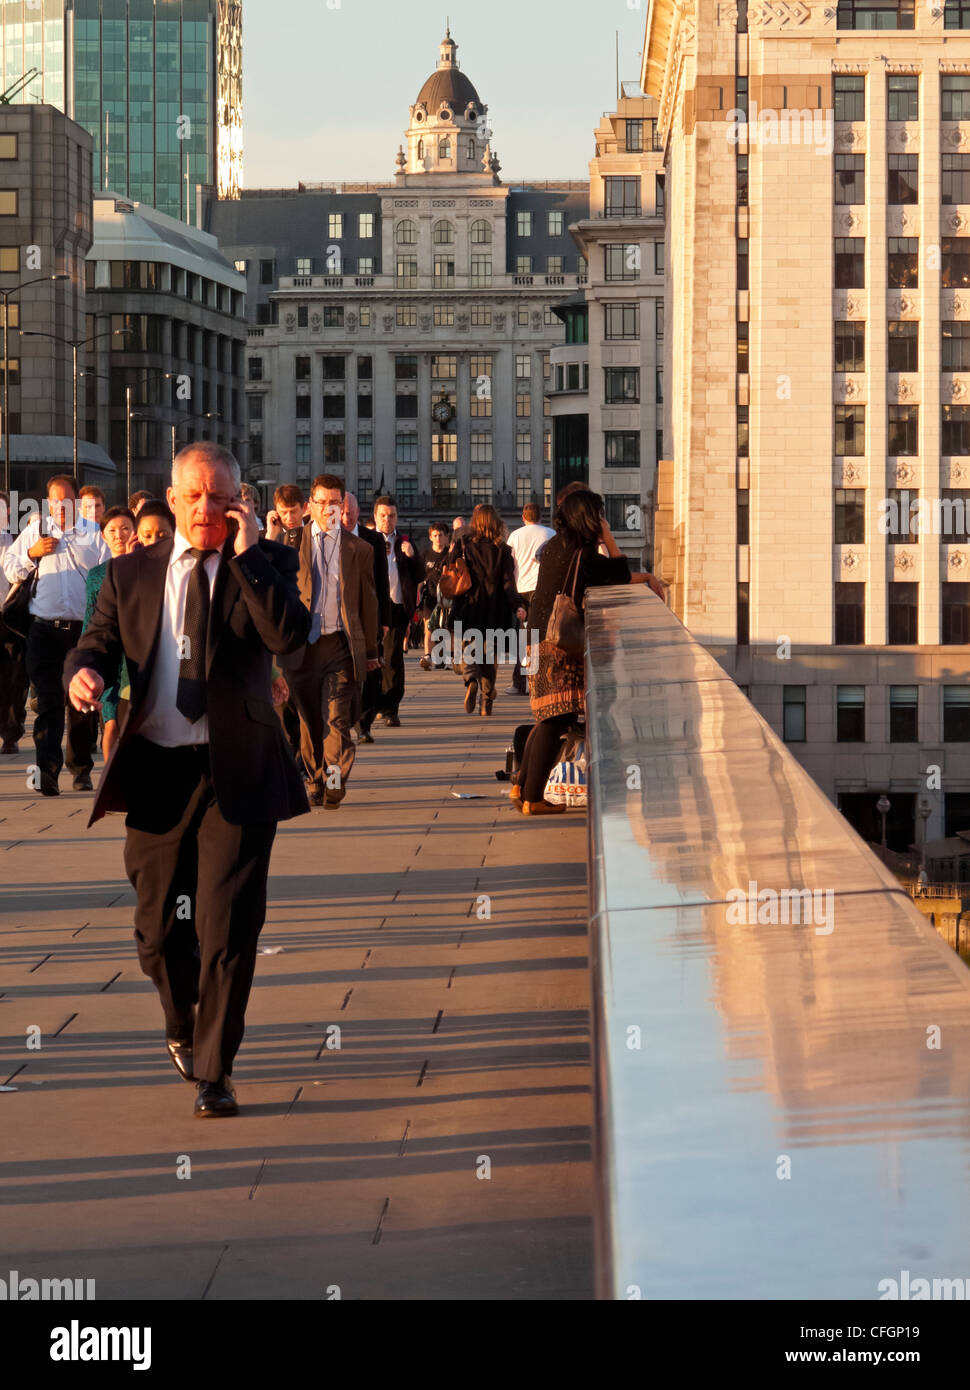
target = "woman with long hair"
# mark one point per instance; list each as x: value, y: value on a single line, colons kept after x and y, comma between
x: 569, y: 563
x: 490, y: 606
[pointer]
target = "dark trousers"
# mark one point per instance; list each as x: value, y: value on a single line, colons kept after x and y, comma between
x: 200, y: 881
x: 324, y: 691
x: 392, y: 676
x: 541, y: 755
x: 483, y: 674
x: 47, y: 649
x: 519, y: 679
x: 13, y: 689
x: 290, y: 719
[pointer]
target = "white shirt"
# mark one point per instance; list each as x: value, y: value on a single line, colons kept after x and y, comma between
x: 164, y: 723
x: 6, y: 540
x: 326, y: 615
x: 392, y: 574
x: 62, y: 576
x: 525, y: 544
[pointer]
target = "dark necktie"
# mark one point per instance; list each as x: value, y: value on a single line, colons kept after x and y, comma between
x: 388, y: 545
x: 191, y: 697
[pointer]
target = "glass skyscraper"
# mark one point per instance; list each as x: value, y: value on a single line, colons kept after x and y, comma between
x: 158, y: 83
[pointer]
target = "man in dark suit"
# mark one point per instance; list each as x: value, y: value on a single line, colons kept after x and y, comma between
x: 371, y: 693
x: 404, y: 575
x: 325, y: 677
x: 201, y: 768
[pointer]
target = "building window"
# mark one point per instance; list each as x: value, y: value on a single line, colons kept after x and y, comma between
x: 850, y: 719
x: 407, y: 316
x: 406, y: 407
x: 335, y: 448
x: 444, y: 315
x: 850, y: 601
x: 256, y: 408
x: 522, y: 317
x: 10, y: 262
x: 554, y: 265
x: 955, y: 614
x: 523, y: 365
x: 850, y: 516
x: 443, y: 234
x: 365, y: 225
x: 954, y: 522
x: 523, y: 401
x: 444, y: 448
x: 523, y: 448
x: 255, y: 369
x: 481, y: 271
x: 659, y: 256
x: 903, y: 178
x: 622, y: 321
x: 406, y: 448
x: 523, y: 265
x: 333, y: 316
x: 444, y: 272
x: 850, y: 263
x: 365, y: 407
x: 267, y: 273
x: 407, y: 233
x: 444, y: 367
x: 902, y: 516
x: 955, y: 181
x: 904, y: 262
x: 903, y: 97
x: 876, y: 14
x: 903, y: 614
x: 903, y: 430
x: 444, y: 148
x: 335, y: 225
x: 903, y: 713
x: 850, y: 346
x: 481, y: 316
x: 956, y: 345
x: 743, y: 511
x: 742, y: 412
x: 365, y: 369
x: 955, y: 93
x: 622, y: 262
x: 365, y: 448
x: 365, y: 265
x: 481, y: 448
x: 956, y: 714
x: 850, y: 431
x: 956, y: 430
x: 334, y: 407
x: 554, y: 223
x: 406, y: 491
x: 622, y: 449
x: 302, y: 316
x: 577, y: 325
x: 622, y: 197
x: 850, y: 178
x: 741, y: 171
x: 523, y: 223
x: 622, y: 385
x: 793, y: 713
x: 302, y: 368
x: 480, y: 233
x: 444, y: 490
x: 304, y: 266
x: 956, y: 262
x: 407, y: 272
x: 904, y: 346
x: 481, y: 487
x: 850, y: 98
x: 523, y: 490
x: 303, y: 408
x: 303, y: 446
x: 634, y: 137
x: 743, y: 615
x: 334, y: 368
x: 742, y: 263
x: 623, y: 511
x: 659, y: 318
x: 480, y: 371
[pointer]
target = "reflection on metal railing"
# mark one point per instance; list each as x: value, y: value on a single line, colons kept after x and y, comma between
x: 782, y: 1042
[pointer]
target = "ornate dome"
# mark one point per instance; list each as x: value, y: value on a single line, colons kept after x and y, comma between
x: 449, y: 85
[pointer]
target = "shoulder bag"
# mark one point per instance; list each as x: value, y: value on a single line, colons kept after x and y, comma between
x: 567, y: 627
x: 455, y: 578
x: 15, y: 613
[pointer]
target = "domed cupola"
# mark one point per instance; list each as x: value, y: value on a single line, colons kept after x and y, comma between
x: 448, y: 133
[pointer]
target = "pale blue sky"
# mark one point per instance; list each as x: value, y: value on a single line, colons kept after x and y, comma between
x: 326, y: 91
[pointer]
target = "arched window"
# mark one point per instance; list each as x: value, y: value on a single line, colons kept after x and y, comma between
x: 421, y: 149
x: 407, y: 233
x: 470, y: 149
x: 444, y: 234
x: 481, y: 233
x: 444, y: 148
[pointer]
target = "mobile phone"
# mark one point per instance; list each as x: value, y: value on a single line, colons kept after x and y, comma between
x: 232, y: 525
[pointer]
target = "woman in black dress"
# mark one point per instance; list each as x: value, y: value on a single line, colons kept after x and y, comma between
x: 558, y: 688
x: 490, y: 606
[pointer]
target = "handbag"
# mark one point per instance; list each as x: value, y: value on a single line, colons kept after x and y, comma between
x: 567, y: 626
x: 15, y: 613
x: 456, y: 578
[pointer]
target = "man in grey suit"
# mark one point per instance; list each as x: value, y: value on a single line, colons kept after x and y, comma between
x: 337, y: 586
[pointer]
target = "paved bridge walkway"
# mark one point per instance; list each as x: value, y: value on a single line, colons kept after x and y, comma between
x: 444, y: 938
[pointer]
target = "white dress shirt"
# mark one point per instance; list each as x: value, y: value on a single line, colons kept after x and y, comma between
x: 164, y: 722
x: 6, y: 541
x: 525, y: 544
x: 392, y: 574
x: 62, y: 576
x: 325, y: 617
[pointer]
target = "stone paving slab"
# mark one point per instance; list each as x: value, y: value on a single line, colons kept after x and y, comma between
x: 463, y: 1038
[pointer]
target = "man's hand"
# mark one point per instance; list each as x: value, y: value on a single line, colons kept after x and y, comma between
x: 274, y: 527
x: 243, y: 511
x: 407, y: 549
x: 385, y: 630
x: 520, y: 613
x: 85, y: 690
x: 374, y: 664
x: 281, y: 691
x: 45, y: 545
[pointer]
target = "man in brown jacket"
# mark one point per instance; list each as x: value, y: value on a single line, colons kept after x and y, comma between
x: 337, y: 586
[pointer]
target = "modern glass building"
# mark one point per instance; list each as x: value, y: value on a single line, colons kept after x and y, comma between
x: 158, y: 83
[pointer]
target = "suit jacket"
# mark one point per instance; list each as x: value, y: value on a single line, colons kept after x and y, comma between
x: 358, y: 600
x: 381, y: 579
x: 410, y: 572
x: 255, y: 612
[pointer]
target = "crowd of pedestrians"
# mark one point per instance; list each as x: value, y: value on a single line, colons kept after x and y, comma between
x: 199, y: 642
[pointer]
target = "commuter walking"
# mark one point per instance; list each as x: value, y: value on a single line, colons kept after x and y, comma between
x: 488, y: 611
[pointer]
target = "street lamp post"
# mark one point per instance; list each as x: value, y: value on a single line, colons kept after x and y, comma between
x: 6, y: 296
x: 75, y: 346
x: 884, y: 806
x: 925, y: 811
x: 128, y: 391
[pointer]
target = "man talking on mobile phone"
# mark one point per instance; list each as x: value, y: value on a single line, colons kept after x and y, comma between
x: 201, y: 768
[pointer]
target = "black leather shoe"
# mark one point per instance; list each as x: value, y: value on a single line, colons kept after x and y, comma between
x: 216, y: 1098
x: 315, y: 798
x: 392, y: 721
x: 182, y: 1059
x: 9, y: 747
x: 471, y: 697
x: 48, y: 785
x: 366, y: 736
x: 83, y: 783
